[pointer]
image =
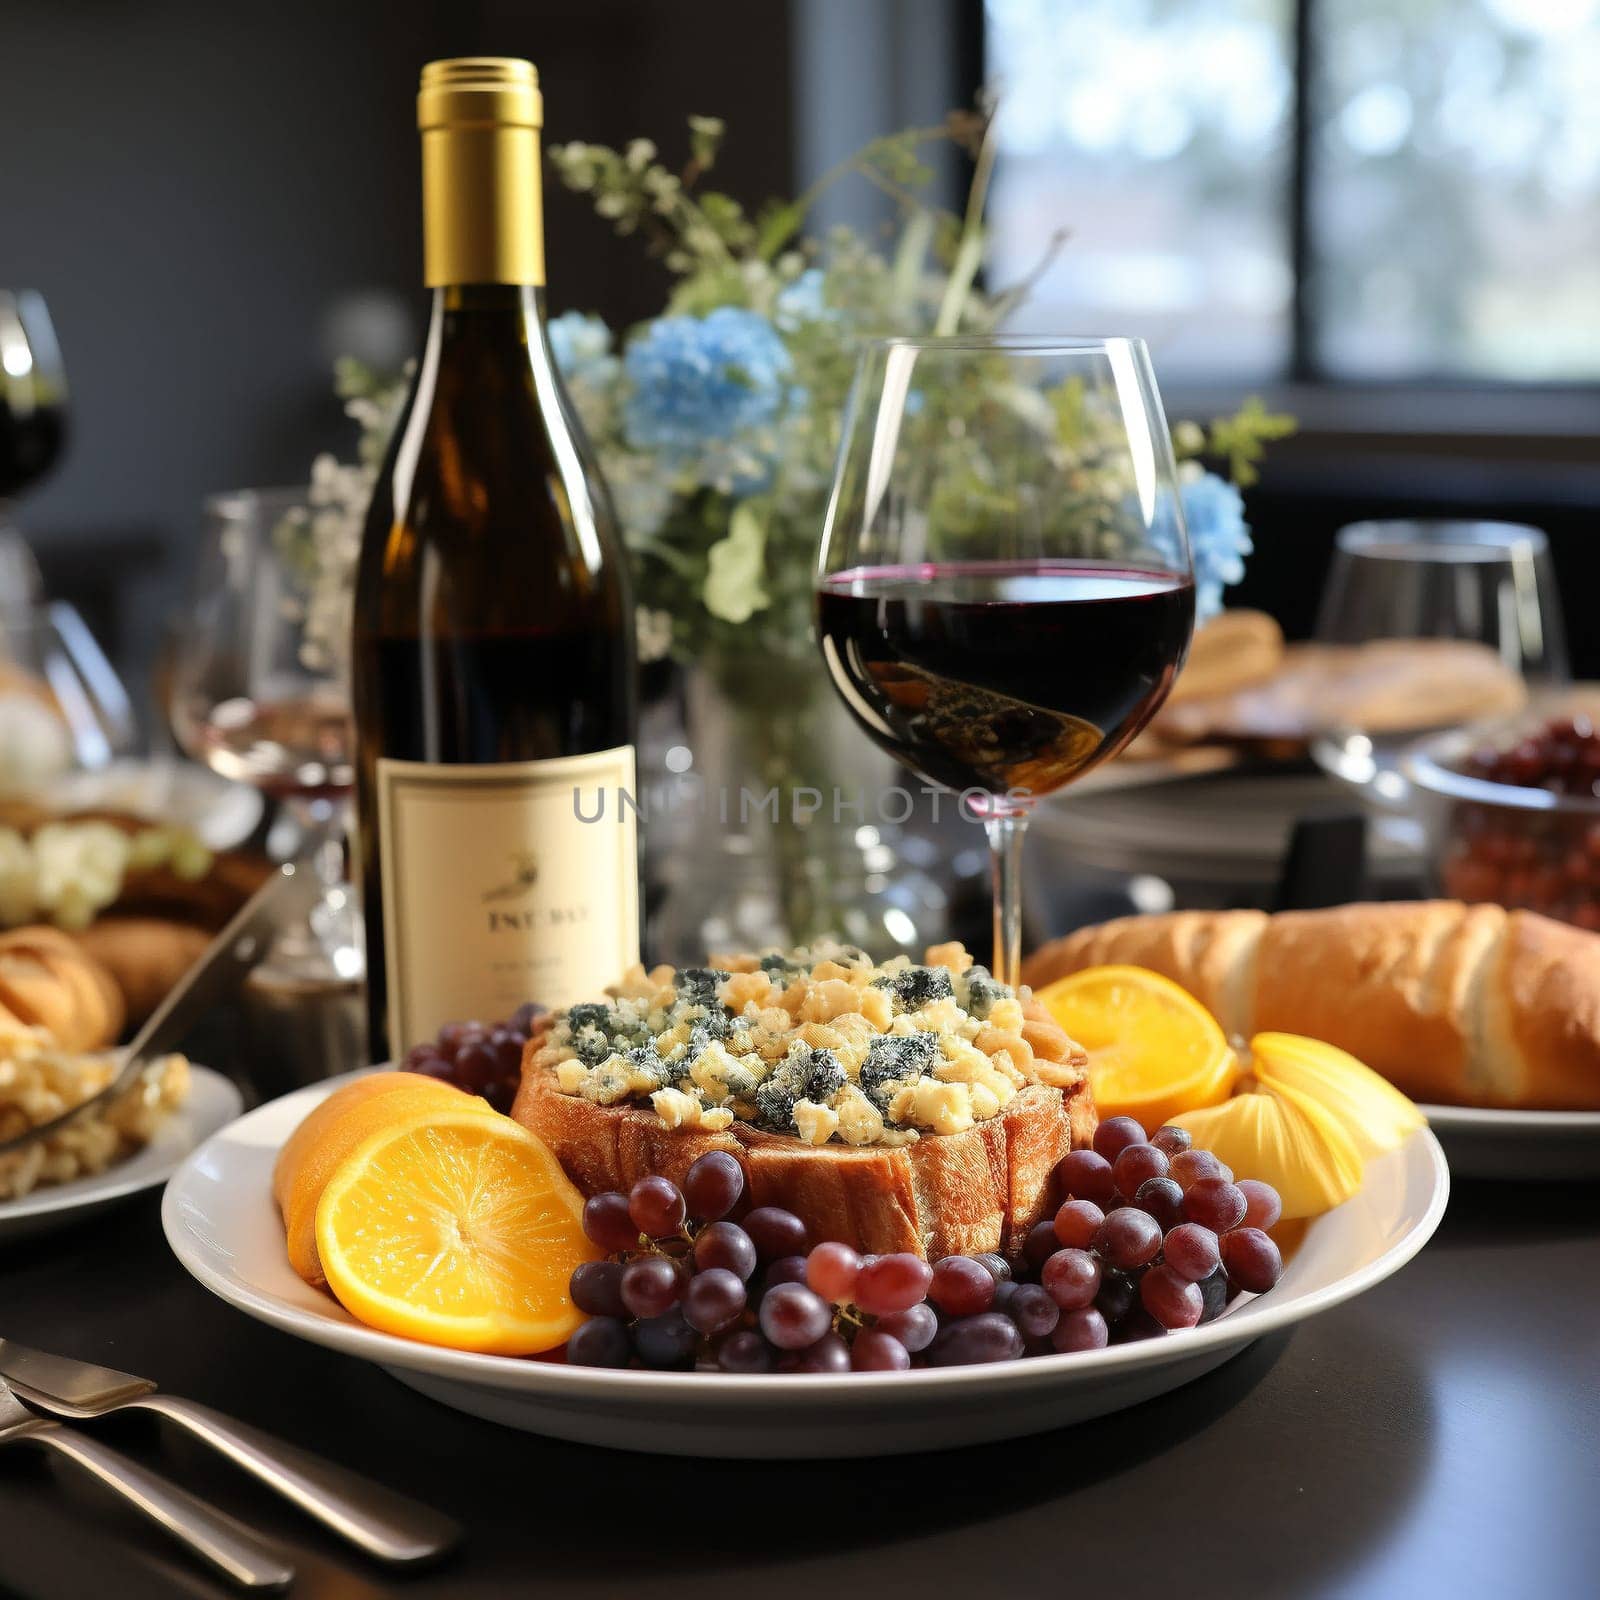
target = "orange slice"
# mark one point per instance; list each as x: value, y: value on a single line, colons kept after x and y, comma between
x: 330, y: 1131
x: 456, y: 1229
x: 1154, y: 1050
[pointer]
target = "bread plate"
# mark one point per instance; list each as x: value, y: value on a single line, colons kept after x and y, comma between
x: 220, y: 1221
x: 1529, y: 1146
x: 212, y: 1103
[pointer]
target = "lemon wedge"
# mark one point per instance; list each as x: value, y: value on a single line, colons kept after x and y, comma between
x: 1298, y: 1148
x: 1375, y: 1115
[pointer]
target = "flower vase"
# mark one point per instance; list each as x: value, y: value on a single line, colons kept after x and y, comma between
x: 783, y: 821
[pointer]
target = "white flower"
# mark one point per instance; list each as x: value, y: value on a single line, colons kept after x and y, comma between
x: 640, y: 153
x: 653, y: 631
x: 733, y: 584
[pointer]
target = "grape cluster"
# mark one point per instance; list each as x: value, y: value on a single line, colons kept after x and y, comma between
x: 1152, y: 1235
x: 484, y: 1058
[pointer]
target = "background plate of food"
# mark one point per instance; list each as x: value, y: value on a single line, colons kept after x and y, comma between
x: 133, y: 1144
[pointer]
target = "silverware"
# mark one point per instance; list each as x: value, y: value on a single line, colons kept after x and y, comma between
x: 387, y: 1525
x: 212, y: 978
x: 215, y: 1538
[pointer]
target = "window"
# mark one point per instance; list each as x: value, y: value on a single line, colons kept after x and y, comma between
x: 1350, y: 189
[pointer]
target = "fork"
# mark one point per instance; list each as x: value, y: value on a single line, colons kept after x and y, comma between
x: 215, y: 1538
x: 388, y: 1525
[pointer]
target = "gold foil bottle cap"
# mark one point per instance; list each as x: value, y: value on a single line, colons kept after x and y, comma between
x: 480, y: 118
x: 472, y: 91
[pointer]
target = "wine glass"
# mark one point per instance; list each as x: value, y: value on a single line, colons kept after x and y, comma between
x: 1004, y: 589
x: 260, y: 696
x: 1487, y: 581
x: 33, y: 422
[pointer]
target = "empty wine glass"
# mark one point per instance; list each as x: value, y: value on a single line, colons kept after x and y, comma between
x: 62, y: 705
x: 1004, y: 589
x: 257, y: 697
x: 1486, y: 581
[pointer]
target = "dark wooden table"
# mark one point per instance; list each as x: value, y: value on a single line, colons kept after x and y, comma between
x: 1438, y: 1436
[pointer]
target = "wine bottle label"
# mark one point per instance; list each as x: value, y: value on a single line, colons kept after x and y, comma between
x: 504, y: 883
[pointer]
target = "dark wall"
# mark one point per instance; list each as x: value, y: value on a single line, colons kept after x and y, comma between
x: 197, y: 188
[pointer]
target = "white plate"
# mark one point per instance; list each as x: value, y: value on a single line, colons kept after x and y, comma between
x: 213, y: 1103
x: 222, y: 1225
x: 1531, y: 1146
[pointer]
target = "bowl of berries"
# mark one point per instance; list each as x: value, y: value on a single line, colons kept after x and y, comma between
x: 1511, y: 812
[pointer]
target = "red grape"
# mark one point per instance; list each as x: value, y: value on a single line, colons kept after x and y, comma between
x: 1137, y: 1164
x: 1171, y: 1139
x: 1214, y: 1294
x: 596, y: 1289
x: 476, y: 1067
x: 793, y: 1317
x: 914, y: 1327
x: 786, y: 1269
x: 606, y: 1221
x: 1172, y: 1300
x: 1191, y: 1251
x: 986, y: 1337
x: 831, y: 1270
x: 1084, y: 1175
x: 656, y: 1206
x: 1262, y: 1206
x: 1041, y: 1243
x: 1076, y: 1223
x: 650, y: 1286
x: 1251, y: 1259
x: 712, y: 1186
x: 829, y: 1354
x: 522, y: 1019
x: 890, y: 1284
x: 1117, y: 1294
x: 1189, y: 1165
x: 1115, y: 1134
x: 877, y: 1351
x: 1162, y: 1199
x: 744, y: 1350
x: 600, y: 1342
x: 1080, y: 1330
x: 502, y: 1095
x: 1033, y: 1310
x: 776, y: 1232
x: 961, y: 1286
x: 725, y: 1244
x: 1214, y: 1204
x: 665, y: 1341
x: 454, y: 1034
x: 1128, y: 1238
x: 713, y: 1300
x: 1071, y: 1278
x: 1138, y: 1324
x: 507, y: 1047
x: 994, y: 1264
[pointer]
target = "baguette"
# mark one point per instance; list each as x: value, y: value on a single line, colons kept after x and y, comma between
x: 1454, y: 1004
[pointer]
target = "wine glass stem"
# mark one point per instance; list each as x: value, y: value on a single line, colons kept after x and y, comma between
x: 1005, y: 850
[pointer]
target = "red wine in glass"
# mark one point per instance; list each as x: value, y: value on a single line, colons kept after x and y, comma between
x: 1004, y: 675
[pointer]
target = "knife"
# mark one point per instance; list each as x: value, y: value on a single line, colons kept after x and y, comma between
x: 214, y: 1537
x: 289, y: 892
x: 387, y: 1525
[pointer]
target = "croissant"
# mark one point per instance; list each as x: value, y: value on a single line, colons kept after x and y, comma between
x: 47, y: 981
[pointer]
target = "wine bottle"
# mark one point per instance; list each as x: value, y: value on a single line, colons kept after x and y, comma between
x: 493, y: 666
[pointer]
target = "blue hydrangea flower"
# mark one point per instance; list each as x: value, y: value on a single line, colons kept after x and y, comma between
x: 582, y: 347
x: 696, y: 381
x: 1219, y: 538
x: 801, y: 301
